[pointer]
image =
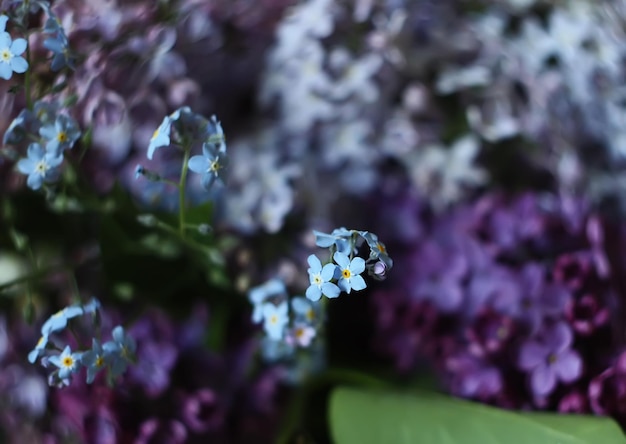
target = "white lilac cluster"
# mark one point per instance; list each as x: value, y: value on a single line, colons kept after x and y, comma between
x: 112, y: 356
x: 330, y: 86
x: 260, y: 193
x: 568, y: 66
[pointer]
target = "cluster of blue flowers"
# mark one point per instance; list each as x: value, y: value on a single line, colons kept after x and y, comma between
x: 296, y: 323
x: 184, y: 128
x: 289, y: 325
x: 55, y: 133
x: 345, y: 273
x: 114, y: 355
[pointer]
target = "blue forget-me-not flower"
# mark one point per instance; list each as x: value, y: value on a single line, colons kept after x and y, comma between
x: 61, y: 135
x: 210, y: 164
x: 10, y: 52
x: 95, y: 360
x: 67, y: 362
x: 350, y: 272
x: 40, y: 166
x: 319, y: 278
x: 275, y: 319
x: 377, y: 248
x: 259, y: 295
x: 340, y: 238
x: 161, y: 136
x: 121, y: 349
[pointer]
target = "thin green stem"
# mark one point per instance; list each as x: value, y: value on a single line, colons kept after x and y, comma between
x: 27, y: 80
x: 181, y: 191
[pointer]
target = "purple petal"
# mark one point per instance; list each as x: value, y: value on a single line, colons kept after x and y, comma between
x: 568, y: 366
x: 554, y: 299
x: 543, y: 380
x: 531, y: 355
x: 558, y: 337
x: 448, y: 295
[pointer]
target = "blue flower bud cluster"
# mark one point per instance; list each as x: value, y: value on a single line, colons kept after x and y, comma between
x: 113, y: 356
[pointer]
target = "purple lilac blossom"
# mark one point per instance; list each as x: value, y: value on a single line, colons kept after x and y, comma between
x: 550, y: 359
x: 530, y: 315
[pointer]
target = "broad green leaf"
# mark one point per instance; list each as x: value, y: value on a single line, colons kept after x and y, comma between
x: 364, y: 417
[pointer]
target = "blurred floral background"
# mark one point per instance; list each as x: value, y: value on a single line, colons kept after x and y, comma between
x: 484, y: 142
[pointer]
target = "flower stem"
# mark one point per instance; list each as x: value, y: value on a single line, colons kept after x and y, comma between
x: 27, y: 80
x: 181, y: 191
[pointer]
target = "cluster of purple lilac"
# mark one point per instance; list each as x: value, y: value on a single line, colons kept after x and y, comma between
x: 112, y: 356
x: 296, y: 323
x: 509, y: 300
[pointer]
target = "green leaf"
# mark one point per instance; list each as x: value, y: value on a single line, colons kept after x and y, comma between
x: 363, y: 417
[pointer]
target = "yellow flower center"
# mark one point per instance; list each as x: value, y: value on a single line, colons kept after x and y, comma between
x: 317, y: 279
x: 155, y: 134
x: 273, y: 319
x: 6, y: 55
x: 310, y: 314
x: 215, y: 166
x: 99, y: 361
x: 62, y: 136
x: 40, y: 341
x: 41, y: 168
x: 68, y: 361
x: 381, y: 248
x: 346, y: 273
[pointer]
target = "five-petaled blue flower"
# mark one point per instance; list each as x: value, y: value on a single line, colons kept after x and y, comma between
x: 210, y: 164
x: 320, y: 277
x: 10, y: 53
x: 275, y: 319
x: 161, y: 136
x: 67, y: 362
x: 95, y: 360
x: 306, y: 311
x: 260, y: 294
x: 40, y: 166
x: 61, y: 135
x: 349, y: 272
x: 121, y: 349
